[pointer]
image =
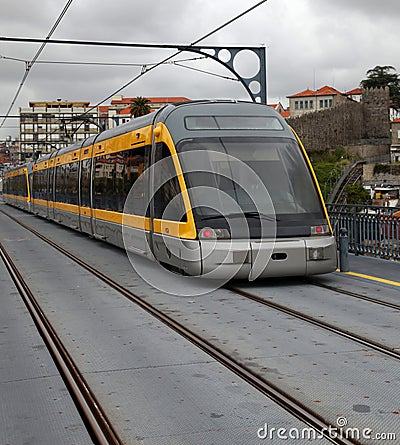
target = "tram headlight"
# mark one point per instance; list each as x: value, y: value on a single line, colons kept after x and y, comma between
x: 316, y: 253
x: 207, y: 233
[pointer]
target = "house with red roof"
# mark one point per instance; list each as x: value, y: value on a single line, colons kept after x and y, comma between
x: 309, y: 100
x: 280, y: 109
x: 120, y: 102
x: 354, y: 94
x: 119, y: 110
x: 277, y: 107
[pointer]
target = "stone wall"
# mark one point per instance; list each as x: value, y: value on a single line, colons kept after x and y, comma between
x: 387, y: 179
x: 375, y: 103
x: 374, y: 152
x: 350, y: 123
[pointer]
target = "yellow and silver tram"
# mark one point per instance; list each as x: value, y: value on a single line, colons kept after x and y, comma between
x: 198, y: 186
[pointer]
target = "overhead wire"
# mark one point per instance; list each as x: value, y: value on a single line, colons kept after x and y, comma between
x: 143, y: 72
x: 147, y: 68
x: 124, y: 64
x: 71, y: 62
x: 29, y: 65
x: 204, y: 71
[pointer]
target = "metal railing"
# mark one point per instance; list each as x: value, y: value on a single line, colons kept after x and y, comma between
x: 372, y: 230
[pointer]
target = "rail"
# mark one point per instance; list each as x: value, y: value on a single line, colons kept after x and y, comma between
x: 99, y: 426
x: 302, y: 412
x: 372, y: 230
x: 350, y: 175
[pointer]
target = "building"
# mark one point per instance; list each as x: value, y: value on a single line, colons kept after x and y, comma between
x: 395, y: 146
x: 9, y: 152
x: 280, y: 109
x: 309, y: 100
x: 119, y: 111
x: 354, y: 94
x: 45, y: 126
x: 120, y: 102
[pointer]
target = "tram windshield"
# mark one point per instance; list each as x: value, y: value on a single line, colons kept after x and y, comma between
x: 235, y: 176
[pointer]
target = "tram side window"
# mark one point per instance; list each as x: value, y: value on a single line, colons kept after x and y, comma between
x: 21, y: 188
x: 103, y: 173
x: 85, y: 182
x: 6, y: 186
x: 11, y: 186
x: 36, y: 184
x: 168, y: 202
x: 18, y: 183
x: 71, y: 183
x: 15, y: 180
x: 114, y: 175
x: 51, y: 184
x: 40, y: 184
x: 136, y: 163
x: 60, y: 183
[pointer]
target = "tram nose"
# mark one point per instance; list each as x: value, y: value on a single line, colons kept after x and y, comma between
x: 275, y: 258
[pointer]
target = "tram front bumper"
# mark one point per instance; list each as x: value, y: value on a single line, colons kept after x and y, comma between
x: 252, y: 259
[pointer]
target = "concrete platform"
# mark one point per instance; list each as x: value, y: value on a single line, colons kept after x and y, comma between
x: 375, y: 268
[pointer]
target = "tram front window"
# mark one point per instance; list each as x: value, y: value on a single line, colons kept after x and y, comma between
x: 273, y: 166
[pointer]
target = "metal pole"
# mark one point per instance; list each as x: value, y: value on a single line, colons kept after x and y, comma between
x: 343, y: 250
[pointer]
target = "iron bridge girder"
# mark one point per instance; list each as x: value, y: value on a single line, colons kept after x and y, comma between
x: 256, y: 86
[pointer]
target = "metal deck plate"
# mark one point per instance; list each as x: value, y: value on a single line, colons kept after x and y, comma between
x: 154, y: 385
x: 35, y: 406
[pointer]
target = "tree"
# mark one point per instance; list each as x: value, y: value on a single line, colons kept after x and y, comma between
x: 140, y: 106
x: 384, y: 76
x: 356, y: 194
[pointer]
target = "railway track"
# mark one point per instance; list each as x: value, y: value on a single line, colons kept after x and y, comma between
x: 320, y: 323
x: 286, y: 401
x: 96, y: 421
x: 353, y: 294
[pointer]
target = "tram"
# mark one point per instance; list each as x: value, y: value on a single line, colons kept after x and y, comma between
x: 206, y: 187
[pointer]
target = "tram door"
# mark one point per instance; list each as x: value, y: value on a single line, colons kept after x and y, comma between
x: 50, y: 191
x: 85, y: 205
x: 135, y: 199
x: 167, y: 207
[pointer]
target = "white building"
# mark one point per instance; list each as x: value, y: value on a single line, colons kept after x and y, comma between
x: 309, y: 100
x: 45, y: 126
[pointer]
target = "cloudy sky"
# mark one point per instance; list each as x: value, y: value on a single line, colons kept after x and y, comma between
x: 310, y: 43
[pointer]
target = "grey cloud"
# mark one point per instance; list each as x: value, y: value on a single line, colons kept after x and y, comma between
x: 321, y: 41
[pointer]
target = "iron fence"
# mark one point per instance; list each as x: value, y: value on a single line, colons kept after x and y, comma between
x: 372, y: 230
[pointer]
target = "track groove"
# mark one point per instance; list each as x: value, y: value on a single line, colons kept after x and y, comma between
x: 354, y: 294
x: 94, y: 417
x: 284, y: 400
x: 322, y: 324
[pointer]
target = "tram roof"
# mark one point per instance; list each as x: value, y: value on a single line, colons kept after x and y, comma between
x: 197, y: 106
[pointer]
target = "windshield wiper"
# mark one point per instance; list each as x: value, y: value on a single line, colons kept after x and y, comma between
x: 252, y: 214
x: 204, y: 218
x: 260, y: 215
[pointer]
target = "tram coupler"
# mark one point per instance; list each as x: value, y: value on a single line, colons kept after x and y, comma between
x: 343, y: 250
